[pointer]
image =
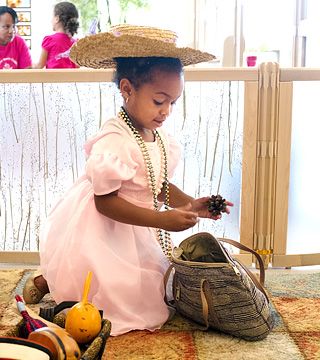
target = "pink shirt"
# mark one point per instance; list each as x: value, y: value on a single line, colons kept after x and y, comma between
x: 15, y: 55
x: 58, y: 46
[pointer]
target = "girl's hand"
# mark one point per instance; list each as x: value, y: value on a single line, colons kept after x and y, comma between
x: 178, y: 219
x: 201, y: 207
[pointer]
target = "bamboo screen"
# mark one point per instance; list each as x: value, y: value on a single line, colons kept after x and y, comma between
x: 44, y: 127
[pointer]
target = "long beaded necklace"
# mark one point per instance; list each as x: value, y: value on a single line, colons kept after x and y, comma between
x: 164, y: 239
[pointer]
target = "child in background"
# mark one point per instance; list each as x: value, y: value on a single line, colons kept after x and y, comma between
x: 56, y: 47
x: 109, y: 221
x: 14, y: 52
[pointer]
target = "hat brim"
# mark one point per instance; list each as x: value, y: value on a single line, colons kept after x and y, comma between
x: 100, y: 50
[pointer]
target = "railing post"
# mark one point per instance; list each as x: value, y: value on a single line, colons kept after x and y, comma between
x: 249, y: 156
x: 283, y: 169
x: 265, y: 177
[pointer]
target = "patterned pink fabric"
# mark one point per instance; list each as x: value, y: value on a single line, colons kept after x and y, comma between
x: 127, y: 261
x: 15, y: 55
x: 58, y: 46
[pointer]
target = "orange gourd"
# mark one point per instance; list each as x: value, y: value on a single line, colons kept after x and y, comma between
x: 83, y: 320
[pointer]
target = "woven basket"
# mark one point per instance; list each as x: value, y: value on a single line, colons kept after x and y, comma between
x: 215, y: 290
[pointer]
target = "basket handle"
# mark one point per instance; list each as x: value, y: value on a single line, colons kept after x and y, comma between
x: 165, y: 281
x: 245, y: 248
x: 259, y: 284
x: 205, y: 306
x: 204, y: 301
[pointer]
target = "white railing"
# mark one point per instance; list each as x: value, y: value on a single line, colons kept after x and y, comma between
x: 263, y: 113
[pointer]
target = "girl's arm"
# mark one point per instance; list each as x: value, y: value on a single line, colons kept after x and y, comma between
x: 177, y: 197
x: 118, y: 209
x: 42, y: 60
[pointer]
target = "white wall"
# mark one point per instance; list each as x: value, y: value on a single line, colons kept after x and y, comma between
x: 42, y: 12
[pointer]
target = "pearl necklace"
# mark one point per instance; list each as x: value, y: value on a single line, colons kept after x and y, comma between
x: 164, y: 240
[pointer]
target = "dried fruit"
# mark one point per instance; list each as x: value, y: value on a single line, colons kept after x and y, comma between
x: 217, y: 205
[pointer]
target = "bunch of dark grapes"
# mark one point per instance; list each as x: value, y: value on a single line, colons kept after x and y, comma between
x: 217, y: 205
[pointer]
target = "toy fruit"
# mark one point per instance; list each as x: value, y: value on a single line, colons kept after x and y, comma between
x: 83, y: 321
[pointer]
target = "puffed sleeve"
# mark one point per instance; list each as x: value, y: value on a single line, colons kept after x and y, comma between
x: 174, y: 155
x: 46, y: 42
x: 110, y: 162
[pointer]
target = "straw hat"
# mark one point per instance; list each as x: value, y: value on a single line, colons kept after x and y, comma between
x: 99, y: 51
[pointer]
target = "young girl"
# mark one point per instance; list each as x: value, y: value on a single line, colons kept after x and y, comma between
x: 55, y: 47
x: 109, y: 222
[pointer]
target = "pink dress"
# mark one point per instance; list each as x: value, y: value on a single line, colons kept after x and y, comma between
x: 127, y: 261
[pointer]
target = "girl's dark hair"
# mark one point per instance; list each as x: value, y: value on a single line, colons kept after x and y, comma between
x: 9, y: 10
x: 68, y: 16
x: 140, y: 70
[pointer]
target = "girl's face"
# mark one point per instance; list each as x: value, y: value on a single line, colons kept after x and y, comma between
x: 7, y: 29
x: 150, y: 105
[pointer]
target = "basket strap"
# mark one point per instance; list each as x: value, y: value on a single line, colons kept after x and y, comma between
x: 245, y: 248
x: 259, y: 285
x: 165, y: 280
x: 205, y: 306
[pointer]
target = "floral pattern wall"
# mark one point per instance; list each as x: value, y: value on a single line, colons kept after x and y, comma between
x: 43, y: 128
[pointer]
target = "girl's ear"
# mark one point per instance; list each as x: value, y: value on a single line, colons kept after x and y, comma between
x: 125, y: 87
x: 55, y: 21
